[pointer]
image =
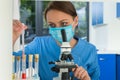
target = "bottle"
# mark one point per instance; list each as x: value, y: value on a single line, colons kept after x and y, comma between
x: 18, y: 72
x: 23, y: 67
x: 36, y: 75
x: 13, y: 67
x: 30, y: 68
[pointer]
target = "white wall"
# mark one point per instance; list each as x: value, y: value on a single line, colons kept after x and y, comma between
x: 5, y: 39
x: 16, y: 15
x: 107, y: 37
x: 114, y: 28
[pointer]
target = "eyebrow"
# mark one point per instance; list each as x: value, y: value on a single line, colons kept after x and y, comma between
x: 59, y: 21
x: 63, y: 20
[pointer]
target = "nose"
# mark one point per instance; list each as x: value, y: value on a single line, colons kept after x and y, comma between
x: 57, y: 25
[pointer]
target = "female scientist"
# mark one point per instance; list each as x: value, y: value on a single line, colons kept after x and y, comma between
x: 61, y: 15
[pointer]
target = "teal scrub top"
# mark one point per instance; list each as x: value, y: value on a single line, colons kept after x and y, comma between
x: 84, y: 54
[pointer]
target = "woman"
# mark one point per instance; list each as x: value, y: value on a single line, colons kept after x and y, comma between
x: 61, y: 15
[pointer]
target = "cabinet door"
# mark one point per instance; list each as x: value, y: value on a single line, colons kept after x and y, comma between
x: 118, y: 67
x: 107, y: 64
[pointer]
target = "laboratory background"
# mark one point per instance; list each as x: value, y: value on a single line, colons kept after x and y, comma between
x: 99, y: 24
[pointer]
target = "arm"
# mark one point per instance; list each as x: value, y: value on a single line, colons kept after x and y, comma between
x: 81, y: 73
x: 31, y: 48
x: 94, y: 70
x: 18, y: 27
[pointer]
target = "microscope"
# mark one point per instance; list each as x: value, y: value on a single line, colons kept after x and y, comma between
x: 65, y: 63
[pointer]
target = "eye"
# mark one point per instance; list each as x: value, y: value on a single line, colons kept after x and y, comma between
x: 64, y: 24
x: 52, y: 25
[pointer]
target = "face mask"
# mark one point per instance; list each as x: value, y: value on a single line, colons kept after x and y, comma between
x: 57, y: 33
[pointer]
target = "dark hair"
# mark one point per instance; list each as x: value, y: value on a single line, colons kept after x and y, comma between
x: 64, y: 6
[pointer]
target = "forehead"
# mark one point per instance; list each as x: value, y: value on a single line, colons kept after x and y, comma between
x: 55, y: 15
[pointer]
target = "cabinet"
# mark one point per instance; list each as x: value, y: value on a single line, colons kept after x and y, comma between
x: 107, y: 63
x: 118, y: 67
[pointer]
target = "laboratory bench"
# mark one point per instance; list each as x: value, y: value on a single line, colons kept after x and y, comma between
x: 109, y: 66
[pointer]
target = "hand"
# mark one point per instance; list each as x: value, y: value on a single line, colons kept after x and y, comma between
x: 81, y: 73
x: 18, y: 27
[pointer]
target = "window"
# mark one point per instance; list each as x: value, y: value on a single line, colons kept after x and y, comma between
x: 97, y: 13
x: 118, y: 10
x: 27, y: 16
x: 82, y: 9
x: 31, y: 13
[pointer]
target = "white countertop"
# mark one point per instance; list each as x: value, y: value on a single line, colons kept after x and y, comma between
x: 108, y: 52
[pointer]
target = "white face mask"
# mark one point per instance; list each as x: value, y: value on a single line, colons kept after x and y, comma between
x: 57, y: 33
